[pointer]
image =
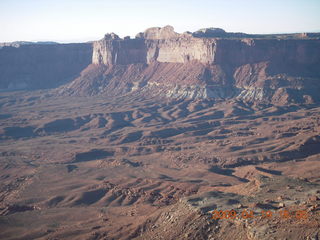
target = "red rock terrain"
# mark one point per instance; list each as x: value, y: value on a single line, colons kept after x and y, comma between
x: 162, y: 62
x: 158, y: 132
x: 37, y: 66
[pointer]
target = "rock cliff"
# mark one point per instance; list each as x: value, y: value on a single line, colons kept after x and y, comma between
x: 155, y: 44
x: 209, y: 63
x: 39, y: 65
x: 165, y: 45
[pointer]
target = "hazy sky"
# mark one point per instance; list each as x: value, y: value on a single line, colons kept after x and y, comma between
x: 83, y: 20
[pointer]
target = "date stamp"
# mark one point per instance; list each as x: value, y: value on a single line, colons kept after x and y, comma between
x: 250, y: 214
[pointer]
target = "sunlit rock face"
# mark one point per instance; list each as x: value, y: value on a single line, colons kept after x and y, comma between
x: 209, y: 63
x: 155, y: 44
x: 217, y: 63
x: 165, y: 45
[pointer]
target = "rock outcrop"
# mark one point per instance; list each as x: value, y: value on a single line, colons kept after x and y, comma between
x: 165, y: 45
x: 210, y: 32
x: 208, y: 64
x: 155, y: 44
x: 157, y: 33
x: 41, y: 65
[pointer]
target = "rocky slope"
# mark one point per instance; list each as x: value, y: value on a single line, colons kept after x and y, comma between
x: 41, y: 65
x: 194, y: 65
x: 207, y: 64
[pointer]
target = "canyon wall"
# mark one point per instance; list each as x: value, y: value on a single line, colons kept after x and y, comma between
x: 36, y: 66
x: 156, y: 44
x: 209, y: 63
x: 271, y: 68
x: 164, y: 45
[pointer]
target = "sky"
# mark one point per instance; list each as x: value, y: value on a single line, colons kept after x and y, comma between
x: 87, y: 20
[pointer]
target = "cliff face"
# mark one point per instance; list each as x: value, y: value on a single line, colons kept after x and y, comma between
x: 164, y: 45
x: 173, y: 50
x: 119, y: 52
x: 248, y: 50
x: 34, y: 66
x: 209, y: 63
x: 277, y: 70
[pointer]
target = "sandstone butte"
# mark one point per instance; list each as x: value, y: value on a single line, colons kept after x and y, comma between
x: 209, y: 63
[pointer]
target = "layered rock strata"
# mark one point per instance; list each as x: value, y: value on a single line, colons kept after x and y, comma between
x: 38, y: 66
x: 209, y: 63
x: 270, y: 69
